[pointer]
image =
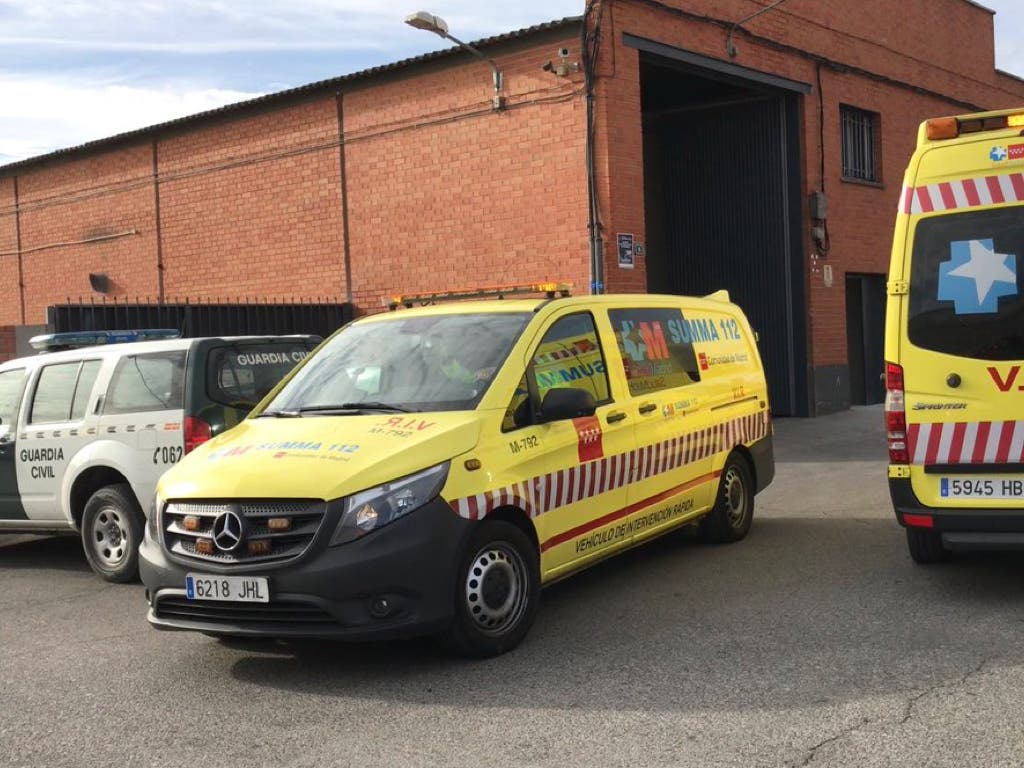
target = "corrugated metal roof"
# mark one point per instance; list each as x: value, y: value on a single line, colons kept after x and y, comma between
x: 282, y: 96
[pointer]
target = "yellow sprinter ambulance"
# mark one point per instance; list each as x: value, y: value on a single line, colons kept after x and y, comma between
x: 954, y: 341
x: 428, y: 469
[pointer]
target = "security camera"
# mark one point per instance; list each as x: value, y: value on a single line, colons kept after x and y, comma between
x: 563, y: 53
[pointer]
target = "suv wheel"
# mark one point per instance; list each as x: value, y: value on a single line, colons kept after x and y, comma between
x: 926, y: 546
x: 730, y: 518
x: 112, y: 526
x: 497, y: 591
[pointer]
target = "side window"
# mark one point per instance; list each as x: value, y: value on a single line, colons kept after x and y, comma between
x: 656, y: 349
x: 11, y: 385
x: 55, y: 392
x: 87, y: 377
x: 151, y: 382
x: 569, y: 355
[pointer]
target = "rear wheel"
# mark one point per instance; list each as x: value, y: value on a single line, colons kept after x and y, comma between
x: 112, y: 525
x: 733, y: 512
x: 497, y: 591
x: 926, y: 546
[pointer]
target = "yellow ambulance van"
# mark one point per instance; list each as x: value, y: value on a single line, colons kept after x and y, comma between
x: 427, y: 470
x: 954, y: 339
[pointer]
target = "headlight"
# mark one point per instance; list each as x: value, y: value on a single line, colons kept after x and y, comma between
x: 376, y: 507
x: 152, y: 519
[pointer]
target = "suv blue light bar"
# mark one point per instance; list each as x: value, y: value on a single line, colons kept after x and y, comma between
x: 51, y: 342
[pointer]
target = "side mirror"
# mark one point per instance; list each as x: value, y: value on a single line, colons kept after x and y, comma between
x: 566, y: 403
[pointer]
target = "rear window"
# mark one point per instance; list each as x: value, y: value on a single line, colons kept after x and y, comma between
x: 241, y: 375
x: 965, y: 284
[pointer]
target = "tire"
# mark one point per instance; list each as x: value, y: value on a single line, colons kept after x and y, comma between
x: 497, y: 591
x: 926, y: 546
x: 112, y: 526
x: 730, y: 518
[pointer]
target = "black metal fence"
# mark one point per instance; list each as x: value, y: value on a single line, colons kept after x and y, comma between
x: 201, y: 318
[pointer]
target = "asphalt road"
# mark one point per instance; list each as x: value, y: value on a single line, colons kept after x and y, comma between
x: 814, y: 642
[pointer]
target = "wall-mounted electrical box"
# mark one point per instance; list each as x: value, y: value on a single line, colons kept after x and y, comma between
x: 818, y: 204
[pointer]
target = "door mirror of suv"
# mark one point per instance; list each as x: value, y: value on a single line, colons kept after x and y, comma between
x: 566, y: 403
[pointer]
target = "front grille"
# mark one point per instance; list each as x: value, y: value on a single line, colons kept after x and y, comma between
x: 290, y: 613
x: 304, y: 516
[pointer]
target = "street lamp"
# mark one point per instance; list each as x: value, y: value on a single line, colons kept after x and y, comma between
x: 437, y: 25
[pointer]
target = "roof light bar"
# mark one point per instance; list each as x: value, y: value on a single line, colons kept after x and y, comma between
x: 51, y: 342
x: 550, y: 289
x: 940, y: 128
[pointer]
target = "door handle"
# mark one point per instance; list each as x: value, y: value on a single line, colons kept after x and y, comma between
x: 648, y: 407
x: 615, y: 416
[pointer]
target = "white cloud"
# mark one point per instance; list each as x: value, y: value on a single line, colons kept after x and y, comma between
x: 88, y: 69
x: 39, y: 114
x: 199, y: 26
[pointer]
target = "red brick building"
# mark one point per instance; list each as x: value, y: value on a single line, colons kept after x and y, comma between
x: 709, y: 132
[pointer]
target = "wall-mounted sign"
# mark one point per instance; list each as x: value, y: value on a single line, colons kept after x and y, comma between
x: 627, y: 253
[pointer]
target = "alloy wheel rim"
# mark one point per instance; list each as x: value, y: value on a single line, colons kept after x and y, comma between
x: 110, y: 537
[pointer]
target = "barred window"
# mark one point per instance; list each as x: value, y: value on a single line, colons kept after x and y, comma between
x: 861, y: 137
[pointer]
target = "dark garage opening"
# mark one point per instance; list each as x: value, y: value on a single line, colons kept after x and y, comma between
x: 865, y: 337
x: 723, y: 201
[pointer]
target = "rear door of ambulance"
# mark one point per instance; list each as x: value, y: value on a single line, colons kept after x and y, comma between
x: 961, y: 322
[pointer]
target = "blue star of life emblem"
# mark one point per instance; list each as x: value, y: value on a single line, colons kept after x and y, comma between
x: 998, y: 154
x: 976, y: 277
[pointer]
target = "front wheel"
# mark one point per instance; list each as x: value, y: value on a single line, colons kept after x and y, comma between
x: 497, y: 591
x: 112, y: 525
x: 733, y: 512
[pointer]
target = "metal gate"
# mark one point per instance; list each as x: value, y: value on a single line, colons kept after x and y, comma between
x: 730, y: 207
x: 201, y: 319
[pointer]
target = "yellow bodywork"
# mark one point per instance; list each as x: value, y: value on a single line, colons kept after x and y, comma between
x: 647, y: 461
x: 960, y: 409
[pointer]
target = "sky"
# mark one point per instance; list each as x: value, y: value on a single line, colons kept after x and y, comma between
x: 76, y: 70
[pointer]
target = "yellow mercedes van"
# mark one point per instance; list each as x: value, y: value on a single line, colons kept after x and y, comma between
x: 426, y: 470
x: 954, y: 338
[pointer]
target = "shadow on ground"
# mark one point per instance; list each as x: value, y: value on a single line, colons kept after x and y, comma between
x: 834, y: 608
x: 62, y: 553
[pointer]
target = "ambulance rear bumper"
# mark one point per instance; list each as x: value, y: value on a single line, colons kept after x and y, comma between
x: 961, y: 528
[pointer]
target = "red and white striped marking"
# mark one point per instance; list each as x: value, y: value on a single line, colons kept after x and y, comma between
x: 544, y: 493
x: 967, y: 193
x: 978, y: 442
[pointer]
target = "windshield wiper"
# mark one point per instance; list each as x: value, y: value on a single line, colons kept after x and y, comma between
x: 281, y: 414
x: 355, y: 408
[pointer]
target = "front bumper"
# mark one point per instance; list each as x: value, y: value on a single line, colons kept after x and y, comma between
x: 328, y: 592
x: 962, y: 528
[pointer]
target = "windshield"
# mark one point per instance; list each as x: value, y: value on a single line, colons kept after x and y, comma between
x: 966, y: 296
x: 421, y: 363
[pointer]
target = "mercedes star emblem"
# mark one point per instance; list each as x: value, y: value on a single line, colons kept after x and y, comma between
x: 227, y: 531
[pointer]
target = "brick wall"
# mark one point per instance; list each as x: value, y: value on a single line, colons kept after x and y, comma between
x: 908, y: 77
x: 103, y: 202
x: 10, y: 300
x: 444, y: 192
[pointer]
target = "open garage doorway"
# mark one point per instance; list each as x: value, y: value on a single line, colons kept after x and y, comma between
x: 723, y: 199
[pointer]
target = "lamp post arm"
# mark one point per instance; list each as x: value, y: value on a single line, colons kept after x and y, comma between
x: 495, y: 72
